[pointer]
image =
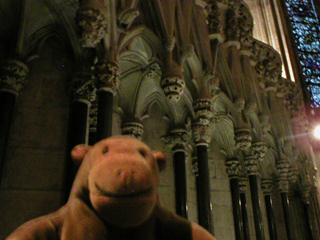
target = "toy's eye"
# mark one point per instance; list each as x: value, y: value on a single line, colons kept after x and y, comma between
x: 142, y: 152
x: 105, y: 150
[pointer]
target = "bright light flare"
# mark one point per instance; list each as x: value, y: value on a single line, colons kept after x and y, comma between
x: 316, y: 132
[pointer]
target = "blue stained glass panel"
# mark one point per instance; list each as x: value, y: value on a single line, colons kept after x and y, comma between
x: 306, y: 29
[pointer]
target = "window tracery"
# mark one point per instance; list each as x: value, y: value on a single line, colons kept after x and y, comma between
x: 306, y: 29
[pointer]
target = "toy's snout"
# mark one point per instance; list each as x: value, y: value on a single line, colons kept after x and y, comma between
x: 122, y: 175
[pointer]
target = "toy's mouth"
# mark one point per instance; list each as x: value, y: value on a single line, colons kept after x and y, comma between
x: 125, y: 194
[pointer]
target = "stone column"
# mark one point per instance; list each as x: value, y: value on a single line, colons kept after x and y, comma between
x: 83, y: 91
x: 93, y: 119
x: 267, y: 188
x: 234, y: 171
x: 12, y: 79
x: 252, y: 169
x: 243, y: 182
x: 283, y: 186
x: 306, y: 188
x: 133, y: 129
x: 178, y: 140
x: 202, y: 137
x: 315, y: 210
x: 108, y: 76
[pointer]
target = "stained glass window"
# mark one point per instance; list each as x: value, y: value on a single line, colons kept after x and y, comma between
x: 306, y: 29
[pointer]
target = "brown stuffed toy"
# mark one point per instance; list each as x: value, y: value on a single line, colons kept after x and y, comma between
x: 114, y: 197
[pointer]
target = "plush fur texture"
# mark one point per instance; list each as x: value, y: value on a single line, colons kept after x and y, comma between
x: 114, y: 197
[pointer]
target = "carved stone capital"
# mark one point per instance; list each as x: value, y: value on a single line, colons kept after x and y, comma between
x: 201, y: 134
x: 283, y: 169
x: 93, y: 117
x: 203, y: 110
x: 251, y: 164
x: 293, y: 174
x: 267, y: 186
x: 243, y: 184
x: 283, y: 185
x: 172, y: 87
x: 306, y: 187
x: 83, y: 86
x: 177, y: 140
x: 243, y: 139
x: 133, y: 129
x: 14, y: 74
x: 92, y: 26
x: 233, y: 168
x: 108, y: 73
x: 194, y: 167
x: 259, y: 150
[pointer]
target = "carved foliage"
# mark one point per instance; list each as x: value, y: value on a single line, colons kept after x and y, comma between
x: 268, y: 64
x: 245, y: 26
x: 108, y: 74
x: 251, y: 164
x: 259, y: 150
x: 83, y: 86
x: 283, y: 169
x: 133, y: 129
x: 14, y: 75
x: 177, y: 139
x: 243, y: 139
x: 213, y: 17
x: 267, y: 186
x: 233, y: 168
x: 92, y: 26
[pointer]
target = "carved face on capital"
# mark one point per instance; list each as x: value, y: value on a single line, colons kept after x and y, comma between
x: 123, y: 176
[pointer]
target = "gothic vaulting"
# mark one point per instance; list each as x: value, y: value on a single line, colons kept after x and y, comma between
x: 187, y: 77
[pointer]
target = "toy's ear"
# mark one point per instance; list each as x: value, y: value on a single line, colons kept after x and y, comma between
x: 79, y: 152
x: 161, y: 159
